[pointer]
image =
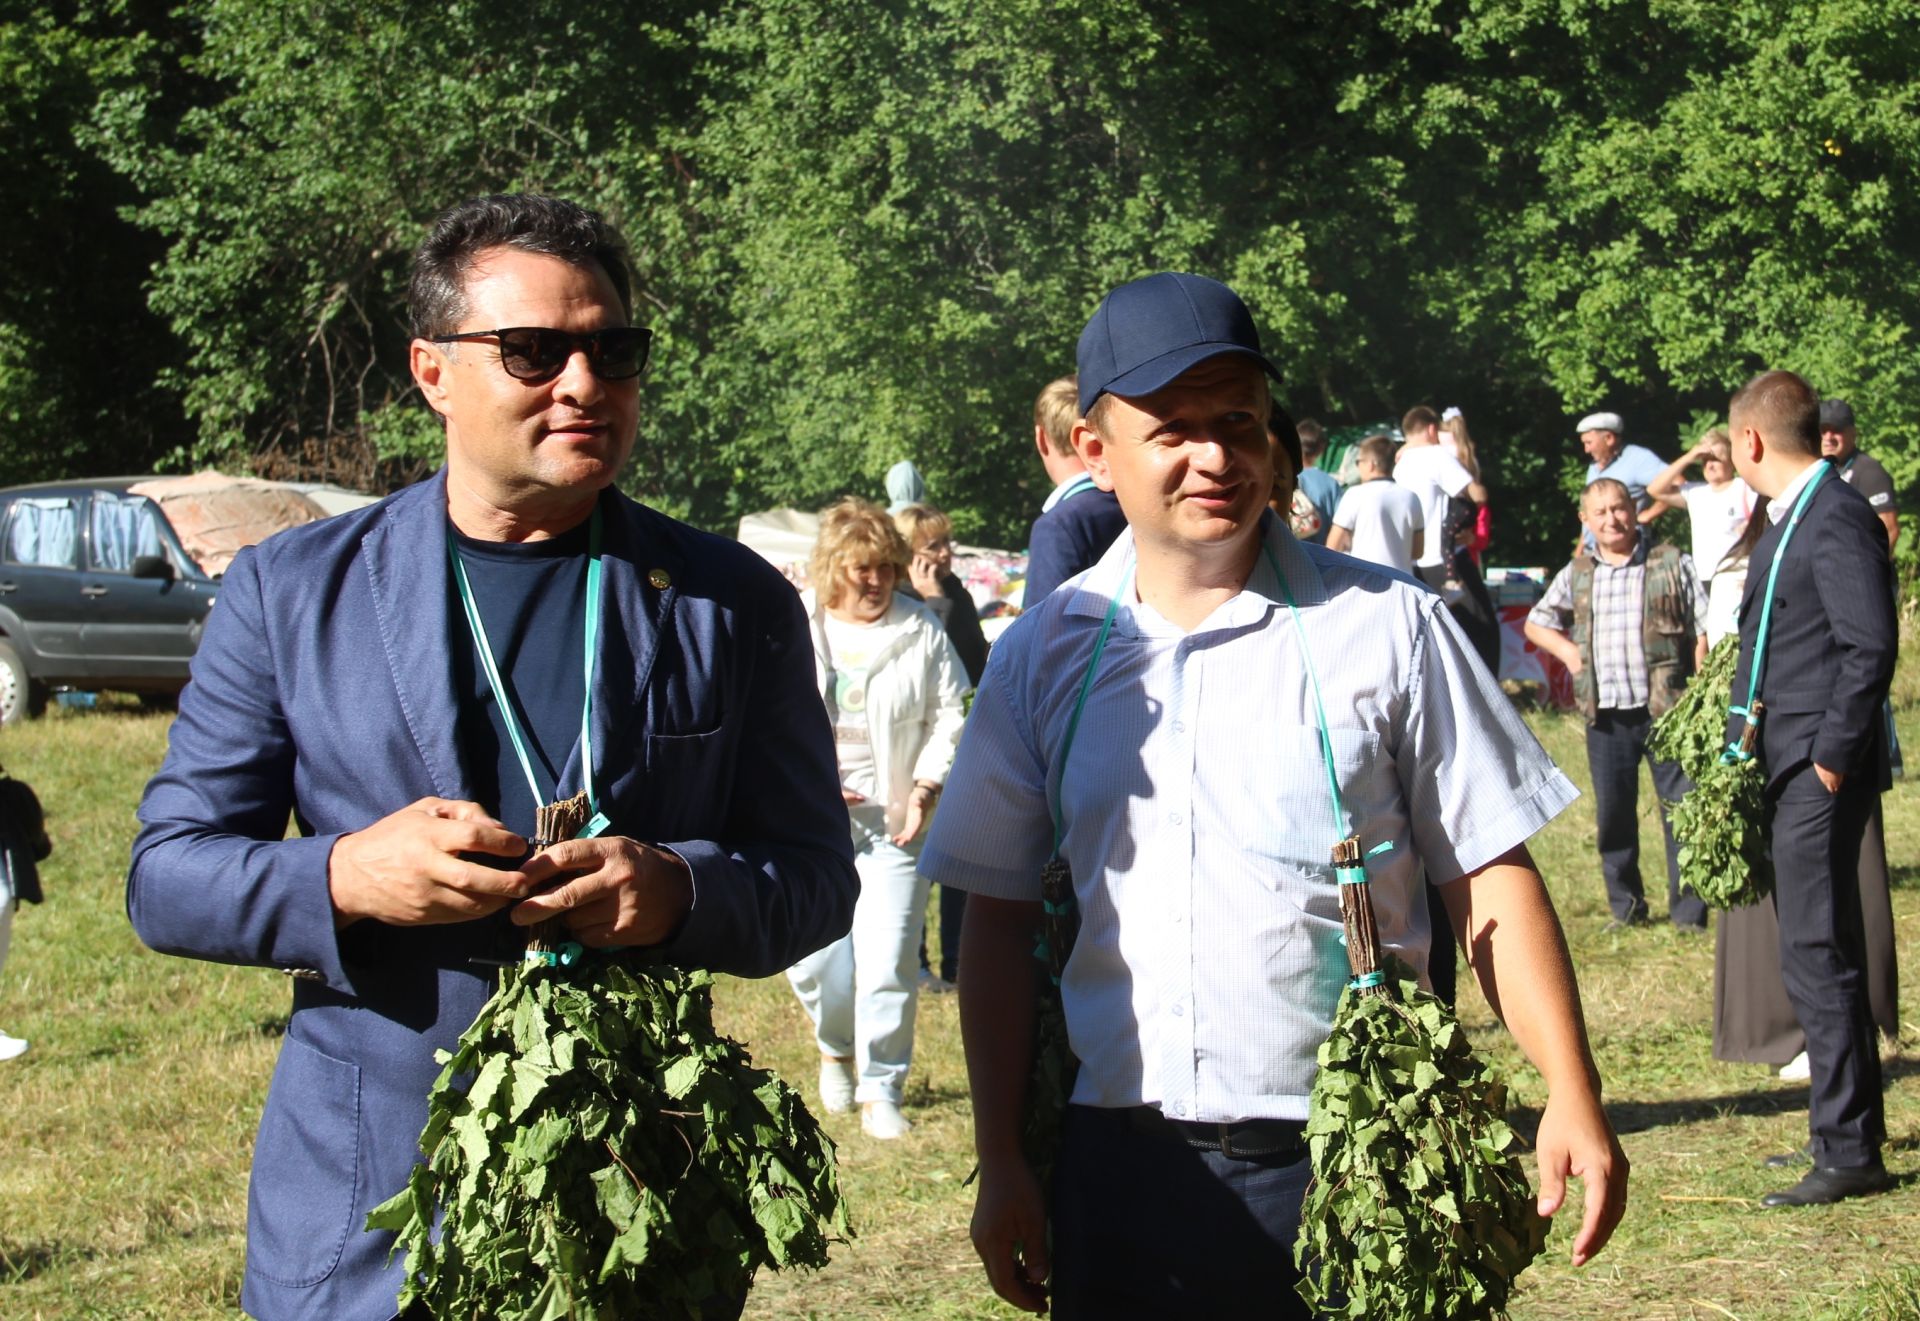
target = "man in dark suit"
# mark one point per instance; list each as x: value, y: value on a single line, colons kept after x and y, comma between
x: 1831, y: 640
x: 411, y: 682
x: 1079, y: 520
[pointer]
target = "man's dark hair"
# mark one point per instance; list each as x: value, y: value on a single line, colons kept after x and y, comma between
x: 1783, y: 408
x: 1313, y: 436
x: 1418, y: 418
x: 1280, y: 427
x: 549, y: 226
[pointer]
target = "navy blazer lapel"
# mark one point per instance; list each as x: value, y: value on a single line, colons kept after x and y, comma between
x: 406, y: 560
x: 641, y: 576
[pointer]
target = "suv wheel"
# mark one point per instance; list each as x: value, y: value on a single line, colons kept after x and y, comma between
x: 20, y: 695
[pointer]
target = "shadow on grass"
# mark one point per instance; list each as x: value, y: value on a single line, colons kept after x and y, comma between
x: 23, y: 1263
x: 1641, y: 1116
x: 1904, y: 876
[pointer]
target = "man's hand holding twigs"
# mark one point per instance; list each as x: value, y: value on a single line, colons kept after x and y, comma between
x: 407, y: 868
x: 613, y: 891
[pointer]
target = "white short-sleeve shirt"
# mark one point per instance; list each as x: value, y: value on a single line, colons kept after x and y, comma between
x: 1199, y: 823
x: 1432, y: 475
x: 1382, y: 515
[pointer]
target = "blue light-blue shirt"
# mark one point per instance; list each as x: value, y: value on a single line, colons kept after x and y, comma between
x: 1199, y: 825
x: 1634, y: 467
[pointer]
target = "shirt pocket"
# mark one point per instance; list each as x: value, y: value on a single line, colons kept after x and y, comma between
x: 1282, y: 810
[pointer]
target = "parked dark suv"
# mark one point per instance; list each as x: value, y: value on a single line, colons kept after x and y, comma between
x: 98, y: 588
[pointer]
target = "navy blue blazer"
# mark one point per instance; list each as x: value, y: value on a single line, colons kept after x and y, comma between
x: 1833, y: 639
x: 1068, y: 538
x: 324, y: 690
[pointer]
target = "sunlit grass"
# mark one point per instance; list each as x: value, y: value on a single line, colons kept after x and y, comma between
x: 130, y: 1121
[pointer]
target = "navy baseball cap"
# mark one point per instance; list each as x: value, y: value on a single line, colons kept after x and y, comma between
x: 1146, y: 333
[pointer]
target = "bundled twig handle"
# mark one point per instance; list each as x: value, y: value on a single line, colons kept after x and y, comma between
x: 1356, y: 915
x: 551, y: 824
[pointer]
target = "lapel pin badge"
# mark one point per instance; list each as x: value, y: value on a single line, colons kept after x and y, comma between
x: 659, y: 579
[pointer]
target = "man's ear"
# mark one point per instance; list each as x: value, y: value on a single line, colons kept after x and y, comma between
x: 1093, y: 454
x: 428, y: 362
x: 1041, y: 443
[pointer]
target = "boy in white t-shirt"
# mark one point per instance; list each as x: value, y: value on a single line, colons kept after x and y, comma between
x: 1718, y: 508
x: 1378, y: 520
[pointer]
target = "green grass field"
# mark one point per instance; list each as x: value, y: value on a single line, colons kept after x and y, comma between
x: 130, y: 1121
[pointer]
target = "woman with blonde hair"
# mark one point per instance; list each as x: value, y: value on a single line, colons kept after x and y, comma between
x: 1456, y: 437
x: 893, y: 688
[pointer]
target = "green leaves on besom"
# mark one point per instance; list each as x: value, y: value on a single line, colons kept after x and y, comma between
x: 1723, y: 855
x: 611, y: 1157
x: 1419, y: 1207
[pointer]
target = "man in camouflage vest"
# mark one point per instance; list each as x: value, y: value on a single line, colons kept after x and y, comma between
x: 1628, y: 620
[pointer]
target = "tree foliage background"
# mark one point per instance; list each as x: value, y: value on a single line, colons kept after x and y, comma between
x: 867, y: 233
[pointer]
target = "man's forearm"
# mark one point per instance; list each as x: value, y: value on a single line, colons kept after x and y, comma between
x: 1519, y: 955
x: 1552, y: 641
x: 996, y: 1018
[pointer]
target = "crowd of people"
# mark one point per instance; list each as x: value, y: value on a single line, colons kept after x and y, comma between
x: 1231, y: 668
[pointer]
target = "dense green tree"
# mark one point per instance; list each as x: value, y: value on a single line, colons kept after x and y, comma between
x: 80, y: 352
x: 872, y: 234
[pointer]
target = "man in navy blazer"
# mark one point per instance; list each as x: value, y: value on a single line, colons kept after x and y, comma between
x: 1079, y: 520
x: 1831, y: 640
x: 342, y: 682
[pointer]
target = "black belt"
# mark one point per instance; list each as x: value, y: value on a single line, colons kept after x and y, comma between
x: 1243, y: 1140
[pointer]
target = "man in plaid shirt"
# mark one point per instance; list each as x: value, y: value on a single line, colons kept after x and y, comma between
x: 1628, y: 620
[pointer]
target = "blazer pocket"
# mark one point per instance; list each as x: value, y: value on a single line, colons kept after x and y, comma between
x: 306, y: 1168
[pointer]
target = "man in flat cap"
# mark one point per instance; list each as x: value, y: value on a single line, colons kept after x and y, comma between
x: 1633, y: 466
x: 1839, y: 445
x: 1169, y: 724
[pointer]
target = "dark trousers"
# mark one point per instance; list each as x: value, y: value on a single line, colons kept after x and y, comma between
x: 1616, y: 745
x: 953, y: 912
x: 1816, y: 858
x: 1443, y: 959
x: 1151, y: 1228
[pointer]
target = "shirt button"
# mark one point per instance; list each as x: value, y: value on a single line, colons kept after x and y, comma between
x: 1174, y: 817
x: 1179, y: 1107
x: 1179, y: 1011
x: 1179, y: 726
x: 1178, y: 918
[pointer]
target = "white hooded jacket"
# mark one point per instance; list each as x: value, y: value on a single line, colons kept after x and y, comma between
x: 916, y: 688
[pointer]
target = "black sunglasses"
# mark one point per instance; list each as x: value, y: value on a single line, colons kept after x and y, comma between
x: 536, y: 354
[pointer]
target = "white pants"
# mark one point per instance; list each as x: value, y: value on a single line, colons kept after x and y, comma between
x: 861, y: 990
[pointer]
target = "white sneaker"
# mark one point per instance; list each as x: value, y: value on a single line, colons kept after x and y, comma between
x: 1797, y: 1069
x: 883, y: 1120
x: 11, y: 1047
x: 836, y: 1086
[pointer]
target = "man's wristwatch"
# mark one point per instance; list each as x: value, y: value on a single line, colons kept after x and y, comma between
x: 928, y: 787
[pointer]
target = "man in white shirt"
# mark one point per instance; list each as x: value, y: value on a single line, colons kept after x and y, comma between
x: 1196, y: 816
x: 1378, y: 520
x: 1440, y: 482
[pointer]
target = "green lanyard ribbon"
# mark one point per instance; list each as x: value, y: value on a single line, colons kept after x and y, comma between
x: 595, y: 607
x: 1349, y: 864
x: 1742, y: 749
